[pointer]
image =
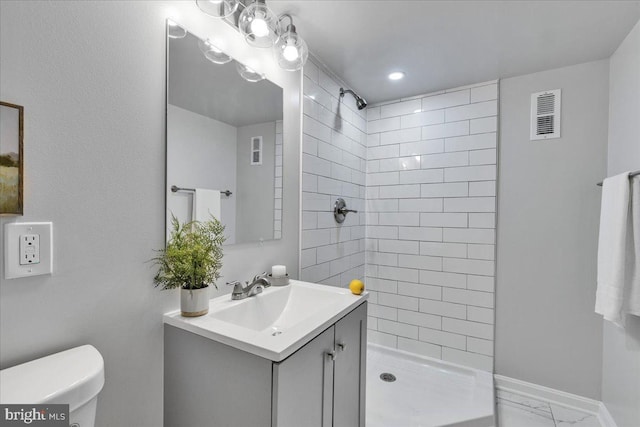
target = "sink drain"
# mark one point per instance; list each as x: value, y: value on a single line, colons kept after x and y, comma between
x: 276, y: 333
x: 387, y: 377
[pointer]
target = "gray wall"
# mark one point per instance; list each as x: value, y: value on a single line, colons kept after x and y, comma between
x: 549, y: 205
x: 621, y: 350
x: 91, y: 76
x: 255, y: 192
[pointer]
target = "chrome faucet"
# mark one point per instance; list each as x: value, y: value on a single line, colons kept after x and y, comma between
x: 256, y: 286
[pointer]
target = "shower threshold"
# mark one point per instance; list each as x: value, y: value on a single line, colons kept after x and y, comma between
x: 426, y: 392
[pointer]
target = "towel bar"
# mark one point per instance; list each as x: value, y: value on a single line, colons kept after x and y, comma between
x: 631, y: 175
x: 175, y: 189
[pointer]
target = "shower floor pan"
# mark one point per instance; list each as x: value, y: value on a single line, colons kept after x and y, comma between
x: 426, y: 392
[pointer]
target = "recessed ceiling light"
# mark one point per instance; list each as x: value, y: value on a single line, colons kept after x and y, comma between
x: 396, y: 75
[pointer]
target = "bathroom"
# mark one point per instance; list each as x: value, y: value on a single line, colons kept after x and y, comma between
x: 92, y: 77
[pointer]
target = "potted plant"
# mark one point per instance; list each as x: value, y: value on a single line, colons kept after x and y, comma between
x: 191, y: 261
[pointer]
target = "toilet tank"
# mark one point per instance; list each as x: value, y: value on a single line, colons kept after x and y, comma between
x: 73, y: 377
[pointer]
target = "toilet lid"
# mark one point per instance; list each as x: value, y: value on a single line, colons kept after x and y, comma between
x: 71, y: 377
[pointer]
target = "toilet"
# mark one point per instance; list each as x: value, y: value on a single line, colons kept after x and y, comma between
x: 73, y: 377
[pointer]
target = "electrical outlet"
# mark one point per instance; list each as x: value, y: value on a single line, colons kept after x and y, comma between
x: 29, y: 249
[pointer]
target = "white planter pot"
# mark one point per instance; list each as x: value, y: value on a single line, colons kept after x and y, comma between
x: 194, y: 303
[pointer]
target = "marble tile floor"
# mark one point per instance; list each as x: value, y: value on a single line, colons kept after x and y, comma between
x: 514, y: 410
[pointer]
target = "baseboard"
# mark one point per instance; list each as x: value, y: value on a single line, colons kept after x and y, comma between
x: 558, y: 397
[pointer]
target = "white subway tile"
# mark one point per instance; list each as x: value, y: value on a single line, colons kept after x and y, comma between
x: 349, y: 160
x: 483, y: 157
x: 340, y: 172
x: 373, y: 166
x: 470, y: 173
x: 445, y: 190
x: 309, y: 183
x: 329, y: 186
x: 383, y: 312
x: 420, y: 233
x: 419, y: 319
x: 400, y: 191
x: 409, y: 163
x: 420, y: 290
x: 308, y: 257
x: 482, y: 252
x: 439, y: 278
x: 383, y: 178
x: 309, y: 220
x: 380, y: 338
x: 309, y: 145
x: 479, y: 314
x: 315, y: 202
x: 484, y: 125
x: 400, y: 108
x: 380, y: 232
x: 373, y: 113
x: 445, y: 130
x: 396, y: 273
x: 466, y: 358
x: 311, y: 71
x: 483, y: 188
x: 444, y: 160
x: 436, y: 219
x: 382, y: 285
x: 421, y: 176
x: 463, y: 296
x: 437, y: 102
x: 399, y: 329
x: 372, y: 323
x: 399, y: 301
x: 469, y: 266
x: 443, y: 308
x: 328, y: 84
x: 484, y: 93
x: 471, y: 111
x: 328, y: 253
x: 373, y: 140
x: 481, y: 283
x: 425, y: 118
x: 316, y: 273
x: 389, y: 165
x: 469, y: 235
x: 400, y: 218
x: 456, y: 250
x: 474, y: 329
x: 443, y: 338
x: 471, y: 142
x: 420, y: 205
x: 382, y: 205
x: 422, y: 147
x: 420, y: 262
x: 477, y: 345
x: 399, y: 246
x: 315, y: 165
x: 418, y: 347
x: 316, y: 129
x: 400, y: 136
x: 482, y: 220
x: 383, y: 125
x: 383, y: 152
x: 468, y: 204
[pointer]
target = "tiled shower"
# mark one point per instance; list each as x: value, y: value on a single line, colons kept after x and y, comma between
x: 422, y: 173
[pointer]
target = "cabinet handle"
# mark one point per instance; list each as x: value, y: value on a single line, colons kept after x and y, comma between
x: 331, y: 354
x: 341, y: 346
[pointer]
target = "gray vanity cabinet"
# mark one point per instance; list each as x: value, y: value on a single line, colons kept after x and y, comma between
x: 207, y: 383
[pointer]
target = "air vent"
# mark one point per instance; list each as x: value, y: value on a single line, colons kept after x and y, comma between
x: 545, y: 114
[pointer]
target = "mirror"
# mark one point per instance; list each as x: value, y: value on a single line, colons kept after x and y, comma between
x: 224, y: 141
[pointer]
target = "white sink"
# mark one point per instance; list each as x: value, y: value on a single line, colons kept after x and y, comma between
x: 275, y: 323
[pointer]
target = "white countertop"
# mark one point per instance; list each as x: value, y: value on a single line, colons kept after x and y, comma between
x: 276, y: 322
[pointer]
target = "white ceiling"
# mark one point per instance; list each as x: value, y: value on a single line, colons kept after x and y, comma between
x: 444, y: 44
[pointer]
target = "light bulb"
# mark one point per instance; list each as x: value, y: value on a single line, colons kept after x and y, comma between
x: 290, y: 53
x: 215, y: 1
x: 396, y: 75
x: 259, y: 28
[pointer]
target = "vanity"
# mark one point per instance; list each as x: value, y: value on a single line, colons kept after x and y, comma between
x: 290, y: 356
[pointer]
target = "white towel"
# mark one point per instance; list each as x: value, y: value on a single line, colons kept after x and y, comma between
x: 206, y: 203
x: 632, y: 290
x: 612, y: 248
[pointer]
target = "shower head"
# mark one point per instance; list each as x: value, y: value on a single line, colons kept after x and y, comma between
x: 360, y: 102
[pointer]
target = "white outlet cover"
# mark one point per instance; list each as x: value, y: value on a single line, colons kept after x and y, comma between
x: 12, y: 232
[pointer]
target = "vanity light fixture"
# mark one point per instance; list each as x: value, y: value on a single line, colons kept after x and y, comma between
x: 259, y: 25
x: 213, y: 53
x: 248, y: 73
x: 218, y: 8
x: 175, y: 31
x: 291, y: 50
x: 396, y: 75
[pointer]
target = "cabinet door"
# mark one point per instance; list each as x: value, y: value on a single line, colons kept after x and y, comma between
x: 302, y: 385
x: 350, y: 369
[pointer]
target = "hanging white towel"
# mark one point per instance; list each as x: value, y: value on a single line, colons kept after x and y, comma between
x: 632, y: 289
x: 206, y: 203
x: 612, y: 248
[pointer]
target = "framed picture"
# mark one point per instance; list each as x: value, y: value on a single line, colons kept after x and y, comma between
x: 256, y: 150
x: 11, y: 158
